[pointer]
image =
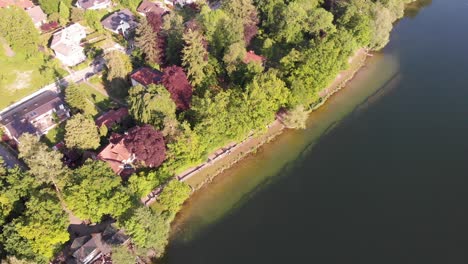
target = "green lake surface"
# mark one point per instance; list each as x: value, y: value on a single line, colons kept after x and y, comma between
x: 379, y: 176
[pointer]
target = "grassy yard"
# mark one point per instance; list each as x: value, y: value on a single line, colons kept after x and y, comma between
x: 101, y: 101
x: 21, y: 76
x: 55, y: 135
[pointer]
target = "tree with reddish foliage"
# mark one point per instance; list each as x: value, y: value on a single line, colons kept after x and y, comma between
x: 251, y: 28
x: 176, y: 82
x: 147, y: 144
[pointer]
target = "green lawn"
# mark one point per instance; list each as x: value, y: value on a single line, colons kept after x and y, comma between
x: 55, y: 135
x: 102, y: 102
x: 20, y: 77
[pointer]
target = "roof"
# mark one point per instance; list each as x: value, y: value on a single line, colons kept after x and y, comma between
x: 115, y: 153
x: 111, y: 117
x: 25, y: 4
x: 90, y: 3
x: 69, y: 35
x: 147, y: 76
x: 87, y: 249
x: 148, y: 6
x: 92, y: 249
x: 36, y: 14
x: 112, y: 22
x: 252, y: 57
x: 17, y: 120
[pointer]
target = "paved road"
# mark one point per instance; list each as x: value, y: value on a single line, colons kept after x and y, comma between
x: 9, y: 158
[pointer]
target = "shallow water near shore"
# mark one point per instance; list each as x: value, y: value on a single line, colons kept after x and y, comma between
x: 378, y: 176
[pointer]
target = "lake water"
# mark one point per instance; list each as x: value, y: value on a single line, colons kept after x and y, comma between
x: 379, y: 176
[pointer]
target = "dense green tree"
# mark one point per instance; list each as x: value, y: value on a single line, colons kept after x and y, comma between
x: 130, y: 4
x: 18, y: 246
x: 173, y: 30
x: 148, y: 229
x: 93, y: 19
x: 18, y: 30
x: 174, y: 195
x: 44, y: 224
x: 121, y: 255
x: 243, y: 16
x: 76, y: 14
x: 381, y: 25
x: 185, y: 151
x: 302, y: 19
x: 49, y: 6
x: 195, y: 56
x: 95, y: 191
x: 46, y: 165
x: 103, y: 130
x: 147, y: 41
x: 263, y: 97
x: 144, y: 182
x: 118, y: 64
x: 154, y: 106
x: 64, y: 12
x: 81, y: 133
x: 296, y: 117
x: 77, y: 99
x: 15, y: 185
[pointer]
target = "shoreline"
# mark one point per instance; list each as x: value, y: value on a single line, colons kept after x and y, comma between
x: 233, y: 153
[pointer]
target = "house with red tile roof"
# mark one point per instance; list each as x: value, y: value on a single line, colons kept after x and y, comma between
x: 112, y: 117
x: 146, y: 76
x: 250, y: 56
x: 118, y: 156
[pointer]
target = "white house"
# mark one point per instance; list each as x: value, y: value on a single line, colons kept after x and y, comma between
x: 66, y: 44
x: 93, y: 4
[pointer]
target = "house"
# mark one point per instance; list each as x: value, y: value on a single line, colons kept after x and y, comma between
x: 66, y: 44
x: 24, y: 4
x: 118, y: 156
x: 120, y: 22
x: 148, y: 6
x: 181, y: 2
x: 112, y: 117
x: 146, y: 76
x: 93, y: 4
x: 37, y: 115
x: 250, y: 56
x: 96, y: 246
x: 37, y: 15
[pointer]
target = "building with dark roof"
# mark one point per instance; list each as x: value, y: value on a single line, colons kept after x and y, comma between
x: 148, y: 6
x: 93, y: 4
x: 91, y: 248
x: 146, y: 76
x: 36, y: 115
x: 120, y: 22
